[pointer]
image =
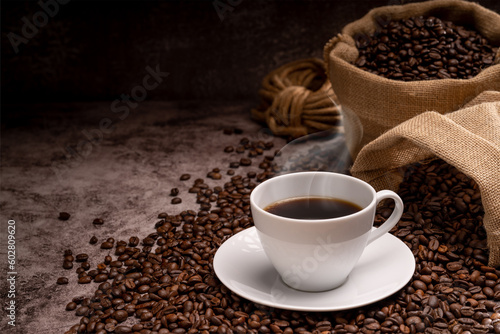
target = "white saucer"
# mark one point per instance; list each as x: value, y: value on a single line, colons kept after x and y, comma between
x: 385, y: 266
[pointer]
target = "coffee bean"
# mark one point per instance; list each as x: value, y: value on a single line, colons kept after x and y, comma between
x: 82, y: 311
x: 133, y: 241
x: 214, y: 175
x: 100, y: 278
x: 82, y: 257
x: 106, y: 245
x: 123, y: 330
x: 64, y: 216
x: 174, y: 192
x: 176, y: 200
x: 67, y: 265
x: 69, y: 258
x: 120, y: 315
x: 185, y: 177
x: 62, y: 280
x: 93, y: 240
x: 71, y: 306
x: 98, y: 221
x: 245, y: 162
x: 84, y: 280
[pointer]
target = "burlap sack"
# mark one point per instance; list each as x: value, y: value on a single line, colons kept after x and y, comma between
x: 468, y: 139
x: 372, y: 104
x: 390, y: 124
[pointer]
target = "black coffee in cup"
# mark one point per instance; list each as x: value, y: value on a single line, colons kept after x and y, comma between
x: 312, y: 208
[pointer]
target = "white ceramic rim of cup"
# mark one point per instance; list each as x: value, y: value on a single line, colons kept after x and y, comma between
x: 314, y: 221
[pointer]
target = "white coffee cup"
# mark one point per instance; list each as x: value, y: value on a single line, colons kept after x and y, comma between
x: 319, y: 254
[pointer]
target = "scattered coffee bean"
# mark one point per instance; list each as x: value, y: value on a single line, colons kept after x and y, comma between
x: 215, y: 175
x: 85, y: 265
x: 64, y: 216
x: 98, y: 221
x: 85, y: 280
x: 133, y: 241
x: 176, y: 200
x: 120, y: 315
x: 67, y: 265
x: 82, y: 311
x: 185, y: 177
x: 82, y: 257
x: 71, y: 306
x: 106, y: 245
x: 69, y: 258
x: 245, y: 162
x: 125, y: 330
x: 93, y: 240
x: 174, y: 192
x: 62, y: 280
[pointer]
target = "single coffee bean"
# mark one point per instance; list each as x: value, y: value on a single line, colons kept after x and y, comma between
x: 133, y: 241
x: 214, y: 175
x: 123, y: 330
x: 82, y: 257
x: 106, y: 245
x: 120, y: 315
x: 176, y: 200
x: 245, y: 162
x: 69, y: 258
x: 82, y: 311
x: 174, y: 192
x: 93, y: 240
x: 100, y: 278
x: 98, y: 221
x: 185, y: 177
x: 71, y: 306
x: 84, y: 280
x: 62, y: 280
x: 67, y: 265
x: 64, y: 216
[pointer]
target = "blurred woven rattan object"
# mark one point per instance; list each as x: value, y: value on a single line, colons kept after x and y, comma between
x: 297, y: 99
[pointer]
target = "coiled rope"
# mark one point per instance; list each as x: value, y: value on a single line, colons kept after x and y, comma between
x: 297, y: 99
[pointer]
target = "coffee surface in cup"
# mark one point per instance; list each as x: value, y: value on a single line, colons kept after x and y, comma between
x: 312, y: 208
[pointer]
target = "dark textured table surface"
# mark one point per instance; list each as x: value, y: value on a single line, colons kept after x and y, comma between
x: 124, y: 177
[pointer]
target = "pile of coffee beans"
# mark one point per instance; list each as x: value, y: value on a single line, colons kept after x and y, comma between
x: 165, y: 283
x: 424, y: 48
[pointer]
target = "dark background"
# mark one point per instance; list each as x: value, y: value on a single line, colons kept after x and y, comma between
x: 98, y: 50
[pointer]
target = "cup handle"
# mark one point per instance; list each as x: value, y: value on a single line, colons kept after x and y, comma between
x: 392, y: 220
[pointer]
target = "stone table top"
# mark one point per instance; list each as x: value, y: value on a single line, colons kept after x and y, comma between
x: 83, y: 159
